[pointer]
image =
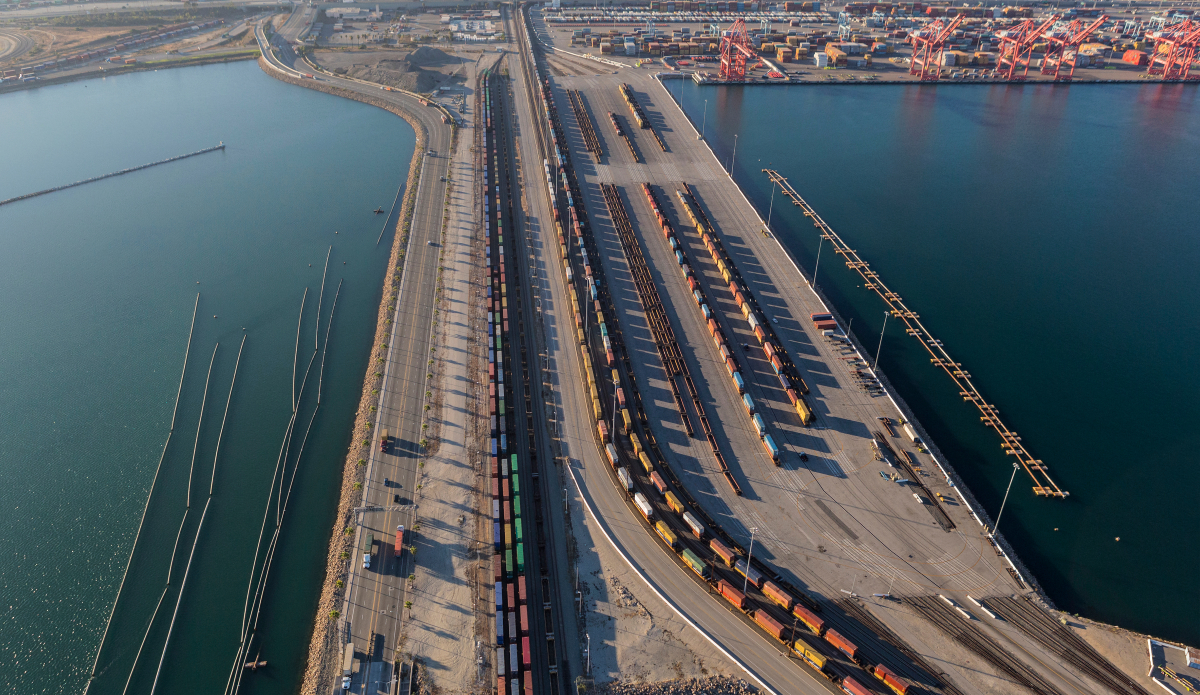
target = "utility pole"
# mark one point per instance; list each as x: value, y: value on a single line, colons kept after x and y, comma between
x: 746, y: 583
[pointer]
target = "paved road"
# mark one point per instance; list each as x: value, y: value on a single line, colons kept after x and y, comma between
x: 373, y: 608
x: 14, y: 44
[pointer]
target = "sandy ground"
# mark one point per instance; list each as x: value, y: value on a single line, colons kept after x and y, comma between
x: 636, y: 638
x: 422, y: 70
x: 442, y: 629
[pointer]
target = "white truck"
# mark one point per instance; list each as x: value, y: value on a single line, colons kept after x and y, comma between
x: 368, y: 548
x: 347, y: 665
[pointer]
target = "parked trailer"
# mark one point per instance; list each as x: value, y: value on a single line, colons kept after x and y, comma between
x: 810, y: 619
x: 698, y: 566
x: 665, y: 533
x: 731, y: 594
x: 643, y: 506
x: 727, y: 556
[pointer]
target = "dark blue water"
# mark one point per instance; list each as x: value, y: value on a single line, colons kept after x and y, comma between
x: 1049, y: 237
x: 97, y: 288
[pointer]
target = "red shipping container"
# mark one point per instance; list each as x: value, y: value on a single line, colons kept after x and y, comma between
x: 727, y: 556
x: 525, y: 656
x: 733, y: 288
x: 507, y: 511
x: 495, y: 468
x: 501, y: 686
x: 524, y: 619
x: 692, y: 284
x: 731, y: 366
x: 809, y: 618
x: 504, y: 488
x: 777, y: 364
x: 658, y: 482
x: 850, y: 685
x: 731, y: 594
x: 769, y: 349
x: 521, y: 588
x: 713, y: 328
x: 511, y: 592
x: 611, y: 358
x: 497, y: 568
x: 778, y: 595
x: 893, y: 681
x: 769, y: 624
x: 760, y: 334
x: 495, y: 488
x: 1135, y: 57
x: 792, y: 397
x: 846, y: 646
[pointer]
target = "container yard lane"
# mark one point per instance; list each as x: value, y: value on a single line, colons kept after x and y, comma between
x: 756, y: 412
x: 371, y: 615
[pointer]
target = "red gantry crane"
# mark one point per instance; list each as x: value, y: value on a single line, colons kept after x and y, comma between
x: 1063, y: 48
x: 1016, y: 48
x: 928, y: 46
x: 1175, y: 50
x: 735, y: 49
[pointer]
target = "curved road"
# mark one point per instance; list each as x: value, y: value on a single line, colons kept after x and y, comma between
x: 372, y: 611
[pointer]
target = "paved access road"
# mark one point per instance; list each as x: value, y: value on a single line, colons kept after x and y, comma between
x: 375, y: 600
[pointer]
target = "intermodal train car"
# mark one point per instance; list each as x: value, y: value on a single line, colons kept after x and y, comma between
x: 698, y: 566
x: 646, y: 462
x: 815, y: 660
x: 853, y: 687
x: 694, y: 524
x: 674, y: 503
x: 731, y: 594
x: 659, y: 484
x: 635, y: 443
x: 624, y: 477
x: 844, y: 645
x: 810, y: 619
x: 771, y: 625
x: 748, y: 572
x: 894, y: 683
x: 777, y: 595
x: 612, y: 455
x: 769, y: 444
x: 727, y: 556
x: 643, y: 505
x: 665, y: 533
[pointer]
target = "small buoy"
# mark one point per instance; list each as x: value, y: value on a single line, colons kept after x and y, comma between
x: 310, y: 265
x: 335, y: 232
x: 343, y: 262
x: 214, y: 316
x: 1118, y: 539
x: 197, y: 282
x: 1055, y: 528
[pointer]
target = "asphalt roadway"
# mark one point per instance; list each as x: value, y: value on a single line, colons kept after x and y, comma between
x: 372, y: 612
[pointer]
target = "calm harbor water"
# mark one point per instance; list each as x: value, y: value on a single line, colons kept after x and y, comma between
x: 97, y: 288
x: 1048, y: 236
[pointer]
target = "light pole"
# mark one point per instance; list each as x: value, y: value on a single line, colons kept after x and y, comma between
x: 589, y: 651
x: 734, y: 157
x: 1010, y: 482
x: 745, y: 584
x: 818, y: 265
x: 772, y: 206
x: 881, y: 330
x: 704, y: 121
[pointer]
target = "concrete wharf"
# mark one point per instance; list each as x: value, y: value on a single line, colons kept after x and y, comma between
x: 1043, y: 485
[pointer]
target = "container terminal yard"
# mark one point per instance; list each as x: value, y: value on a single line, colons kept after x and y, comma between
x: 652, y: 345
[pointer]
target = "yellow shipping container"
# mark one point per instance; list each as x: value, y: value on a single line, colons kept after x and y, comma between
x: 806, y: 415
x: 674, y: 503
x: 646, y: 462
x: 635, y: 442
x: 596, y: 408
x: 666, y: 534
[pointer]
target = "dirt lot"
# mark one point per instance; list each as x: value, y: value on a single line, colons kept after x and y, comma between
x: 59, y: 42
x: 420, y: 70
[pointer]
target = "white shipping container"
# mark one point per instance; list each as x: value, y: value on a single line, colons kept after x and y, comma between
x: 820, y: 60
x: 644, y: 505
x: 625, y: 479
x: 911, y: 433
x: 500, y: 661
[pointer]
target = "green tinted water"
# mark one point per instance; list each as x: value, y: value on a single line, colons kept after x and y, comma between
x: 1048, y: 236
x: 97, y: 286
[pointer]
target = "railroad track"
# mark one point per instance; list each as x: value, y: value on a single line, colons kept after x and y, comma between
x: 616, y: 124
x: 870, y: 622
x: 590, y: 141
x: 1057, y: 638
x: 968, y: 635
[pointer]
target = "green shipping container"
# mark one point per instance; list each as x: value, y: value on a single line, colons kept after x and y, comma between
x: 520, y: 534
x: 513, y: 464
x: 521, y: 558
x: 517, y: 506
x: 516, y: 485
x: 508, y: 567
x: 698, y: 566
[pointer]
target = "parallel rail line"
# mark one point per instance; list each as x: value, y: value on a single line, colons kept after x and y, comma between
x: 989, y: 414
x: 590, y: 141
x: 1060, y: 641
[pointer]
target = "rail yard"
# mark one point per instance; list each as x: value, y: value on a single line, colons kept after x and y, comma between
x: 749, y: 440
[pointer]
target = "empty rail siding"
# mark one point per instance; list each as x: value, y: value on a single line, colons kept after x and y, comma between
x: 989, y: 414
x: 620, y: 130
x: 969, y: 636
x: 935, y: 506
x: 647, y: 289
x: 639, y: 115
x: 926, y: 670
x: 590, y: 140
x: 1059, y: 640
